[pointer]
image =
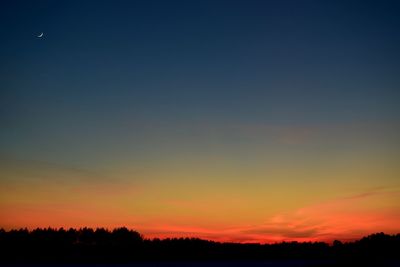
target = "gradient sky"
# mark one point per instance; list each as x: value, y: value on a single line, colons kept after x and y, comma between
x: 250, y: 121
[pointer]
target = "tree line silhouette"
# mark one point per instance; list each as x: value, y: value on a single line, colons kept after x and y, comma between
x: 86, y: 245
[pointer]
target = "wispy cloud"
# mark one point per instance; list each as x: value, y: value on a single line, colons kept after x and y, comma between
x: 21, y: 173
x: 343, y: 218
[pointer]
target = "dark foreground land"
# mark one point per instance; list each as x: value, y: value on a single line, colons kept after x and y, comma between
x: 126, y: 248
x: 277, y: 263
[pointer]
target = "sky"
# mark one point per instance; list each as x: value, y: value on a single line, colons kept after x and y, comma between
x: 244, y: 121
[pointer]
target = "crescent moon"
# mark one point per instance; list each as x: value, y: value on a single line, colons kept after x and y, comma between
x: 40, y: 35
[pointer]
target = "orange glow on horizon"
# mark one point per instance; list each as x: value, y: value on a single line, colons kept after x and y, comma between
x: 340, y: 219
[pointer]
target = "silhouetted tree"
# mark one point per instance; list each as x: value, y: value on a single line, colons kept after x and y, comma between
x: 124, y: 245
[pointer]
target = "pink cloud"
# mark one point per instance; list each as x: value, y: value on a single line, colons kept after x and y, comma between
x: 346, y: 218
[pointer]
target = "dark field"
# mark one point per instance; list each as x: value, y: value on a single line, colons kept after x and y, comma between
x: 124, y: 248
x: 281, y: 263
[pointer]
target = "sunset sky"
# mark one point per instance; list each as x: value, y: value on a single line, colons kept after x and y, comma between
x: 245, y: 121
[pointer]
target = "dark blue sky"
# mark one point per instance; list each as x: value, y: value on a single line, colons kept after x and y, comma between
x: 109, y: 68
